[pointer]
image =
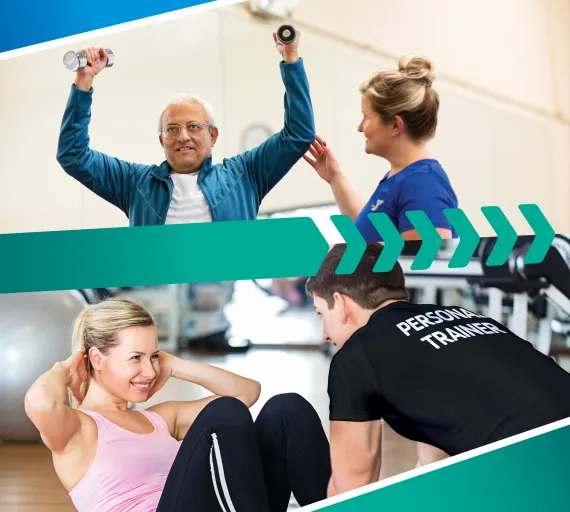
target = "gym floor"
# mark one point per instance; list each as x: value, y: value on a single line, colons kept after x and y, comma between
x: 28, y: 482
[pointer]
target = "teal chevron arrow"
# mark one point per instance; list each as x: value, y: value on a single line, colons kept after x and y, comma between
x: 506, y: 235
x: 543, y: 231
x: 431, y: 239
x: 393, y: 242
x: 355, y: 244
x: 468, y: 237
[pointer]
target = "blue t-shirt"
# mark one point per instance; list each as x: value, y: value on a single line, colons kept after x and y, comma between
x: 423, y: 185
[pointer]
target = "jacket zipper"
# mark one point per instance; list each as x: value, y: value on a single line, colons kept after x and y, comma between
x: 170, y: 186
x: 206, y: 194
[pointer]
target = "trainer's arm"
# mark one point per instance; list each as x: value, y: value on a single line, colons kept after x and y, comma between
x: 108, y: 177
x: 45, y: 405
x: 269, y: 162
x: 355, y: 455
x: 216, y: 380
x: 347, y: 198
x: 331, y: 489
x: 428, y: 454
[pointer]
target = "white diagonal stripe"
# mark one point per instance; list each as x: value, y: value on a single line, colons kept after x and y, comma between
x: 220, y: 465
x: 214, y: 480
x: 117, y: 28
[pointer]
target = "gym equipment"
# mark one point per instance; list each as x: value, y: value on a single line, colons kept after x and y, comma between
x: 277, y: 314
x: 542, y: 289
x: 191, y: 313
x: 95, y: 295
x: 35, y: 333
x: 286, y: 34
x: 510, y: 291
x: 229, y: 317
x: 75, y: 60
x: 290, y: 290
x: 546, y: 284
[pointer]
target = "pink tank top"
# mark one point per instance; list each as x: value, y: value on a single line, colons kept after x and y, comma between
x: 129, y: 470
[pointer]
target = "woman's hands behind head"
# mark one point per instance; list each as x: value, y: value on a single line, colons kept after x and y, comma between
x: 77, y: 373
x: 166, y: 362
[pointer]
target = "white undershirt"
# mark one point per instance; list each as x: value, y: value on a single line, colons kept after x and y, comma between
x: 188, y: 202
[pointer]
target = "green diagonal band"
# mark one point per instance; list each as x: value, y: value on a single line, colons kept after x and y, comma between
x: 184, y: 253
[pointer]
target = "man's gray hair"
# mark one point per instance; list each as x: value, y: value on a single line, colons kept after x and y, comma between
x: 181, y: 99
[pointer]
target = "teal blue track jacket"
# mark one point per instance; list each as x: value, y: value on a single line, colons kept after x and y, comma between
x: 233, y: 189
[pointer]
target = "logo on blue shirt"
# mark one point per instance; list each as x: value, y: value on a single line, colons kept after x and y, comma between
x: 377, y: 205
x: 423, y: 186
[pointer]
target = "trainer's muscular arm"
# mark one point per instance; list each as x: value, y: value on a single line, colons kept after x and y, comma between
x: 355, y: 455
x: 428, y: 454
x: 181, y: 414
x: 331, y: 489
x: 108, y: 177
x: 45, y: 402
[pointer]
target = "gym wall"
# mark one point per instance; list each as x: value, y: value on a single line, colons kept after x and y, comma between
x: 503, y: 80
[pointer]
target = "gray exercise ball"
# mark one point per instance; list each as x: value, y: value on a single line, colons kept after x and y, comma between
x: 35, y: 333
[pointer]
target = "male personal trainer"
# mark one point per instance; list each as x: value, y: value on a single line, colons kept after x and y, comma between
x: 446, y: 377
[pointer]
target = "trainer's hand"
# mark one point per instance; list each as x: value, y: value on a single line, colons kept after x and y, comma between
x: 289, y: 52
x: 165, y: 361
x: 324, y: 162
x: 96, y: 61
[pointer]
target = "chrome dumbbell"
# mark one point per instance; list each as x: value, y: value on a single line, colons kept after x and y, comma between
x: 74, y: 60
x: 286, y: 34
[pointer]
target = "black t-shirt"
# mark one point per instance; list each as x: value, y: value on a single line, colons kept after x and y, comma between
x: 445, y: 376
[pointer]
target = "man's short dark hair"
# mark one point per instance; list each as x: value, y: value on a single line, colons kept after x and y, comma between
x: 367, y: 288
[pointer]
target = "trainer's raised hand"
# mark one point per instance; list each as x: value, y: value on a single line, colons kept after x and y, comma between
x: 96, y: 61
x: 289, y: 52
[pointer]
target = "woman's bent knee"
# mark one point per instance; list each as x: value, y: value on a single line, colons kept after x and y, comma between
x: 289, y: 408
x: 227, y: 409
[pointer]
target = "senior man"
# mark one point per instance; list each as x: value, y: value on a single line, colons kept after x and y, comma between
x: 187, y: 187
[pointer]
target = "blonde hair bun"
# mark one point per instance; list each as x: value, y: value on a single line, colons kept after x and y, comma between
x: 417, y: 68
x: 406, y: 92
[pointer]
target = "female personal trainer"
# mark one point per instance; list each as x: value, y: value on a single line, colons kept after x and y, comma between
x: 400, y: 111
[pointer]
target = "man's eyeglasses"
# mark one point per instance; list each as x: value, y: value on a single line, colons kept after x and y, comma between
x: 172, y: 131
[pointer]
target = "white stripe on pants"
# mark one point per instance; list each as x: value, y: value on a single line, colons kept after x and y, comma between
x: 216, y: 449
